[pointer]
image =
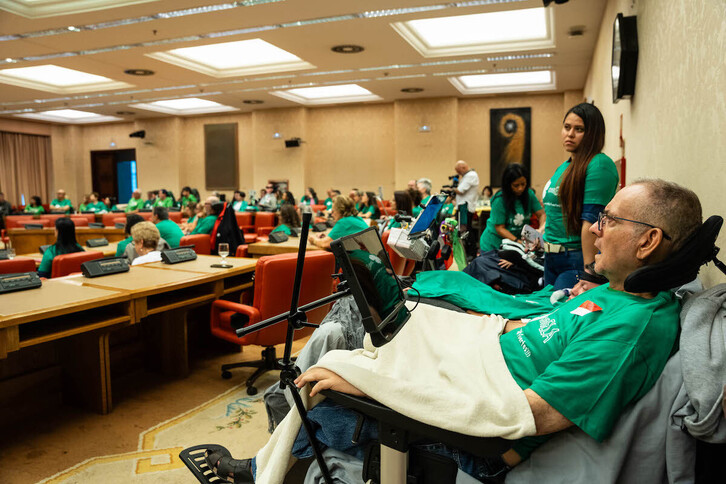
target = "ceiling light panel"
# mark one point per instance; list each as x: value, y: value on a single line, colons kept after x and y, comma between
x: 242, y: 58
x: 505, y: 82
x: 504, y: 31
x: 344, y: 93
x: 70, y: 116
x: 184, y: 106
x: 60, y: 80
x: 52, y: 8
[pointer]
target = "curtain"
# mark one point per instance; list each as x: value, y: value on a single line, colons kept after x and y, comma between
x: 25, y: 163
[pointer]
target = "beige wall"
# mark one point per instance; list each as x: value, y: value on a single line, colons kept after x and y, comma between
x: 675, y: 125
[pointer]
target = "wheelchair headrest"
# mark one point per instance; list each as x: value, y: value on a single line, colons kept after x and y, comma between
x: 682, y: 266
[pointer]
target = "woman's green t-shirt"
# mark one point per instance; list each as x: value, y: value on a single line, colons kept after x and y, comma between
x: 512, y: 221
x: 347, y: 226
x: 38, y: 209
x: 46, y: 263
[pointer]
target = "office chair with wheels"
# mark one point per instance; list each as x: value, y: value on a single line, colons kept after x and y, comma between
x: 69, y: 263
x: 272, y: 296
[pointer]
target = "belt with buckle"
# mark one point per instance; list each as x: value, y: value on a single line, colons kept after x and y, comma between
x: 554, y: 248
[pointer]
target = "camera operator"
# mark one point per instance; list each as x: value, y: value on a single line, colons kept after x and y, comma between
x: 467, y: 191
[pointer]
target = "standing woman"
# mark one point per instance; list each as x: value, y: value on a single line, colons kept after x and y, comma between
x: 512, y: 207
x: 65, y: 243
x: 575, y: 195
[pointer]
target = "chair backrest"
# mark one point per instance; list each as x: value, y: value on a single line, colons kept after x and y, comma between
x: 175, y: 217
x: 397, y: 262
x: 274, y: 276
x: 19, y: 264
x: 108, y: 219
x: 264, y: 219
x: 244, y: 219
x: 202, y: 243
x: 69, y: 263
x: 318, y: 208
x: 241, y: 251
x: 146, y: 215
x: 79, y: 221
x: 90, y: 217
x: 17, y: 221
x: 52, y: 217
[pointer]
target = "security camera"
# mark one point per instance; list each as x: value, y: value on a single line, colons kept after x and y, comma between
x: 138, y: 134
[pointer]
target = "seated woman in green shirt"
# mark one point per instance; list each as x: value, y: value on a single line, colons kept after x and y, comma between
x: 512, y: 207
x: 35, y: 206
x: 197, y: 213
x: 65, y: 243
x: 239, y: 202
x: 164, y: 199
x: 93, y: 205
x: 131, y: 220
x: 346, y: 223
x: 401, y: 204
x: 369, y: 206
x: 289, y: 219
x: 205, y: 225
x: 186, y: 197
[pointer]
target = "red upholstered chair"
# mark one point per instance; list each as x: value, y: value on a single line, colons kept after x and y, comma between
x: 19, y: 264
x: 274, y: 277
x: 202, y: 243
x: 264, y: 231
x: 17, y: 221
x: 52, y: 217
x: 69, y: 263
x: 108, y: 219
x: 264, y: 219
x: 175, y: 217
x: 146, y: 215
x: 90, y: 217
x: 241, y: 251
x: 318, y: 208
x: 79, y: 220
x: 401, y: 265
x: 245, y: 221
x: 387, y: 203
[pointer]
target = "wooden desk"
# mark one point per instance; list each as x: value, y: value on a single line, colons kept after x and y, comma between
x: 108, y: 251
x: 258, y: 249
x: 27, y: 241
x: 84, y: 311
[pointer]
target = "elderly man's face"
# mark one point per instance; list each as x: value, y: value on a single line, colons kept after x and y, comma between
x: 61, y: 195
x: 617, y: 240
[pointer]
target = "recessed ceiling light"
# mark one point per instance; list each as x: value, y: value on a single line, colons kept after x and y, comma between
x: 347, y: 49
x: 343, y: 93
x: 412, y: 89
x: 253, y: 101
x: 241, y: 58
x: 507, y: 30
x: 505, y: 82
x: 69, y: 116
x: 184, y: 106
x: 139, y: 72
x: 57, y: 79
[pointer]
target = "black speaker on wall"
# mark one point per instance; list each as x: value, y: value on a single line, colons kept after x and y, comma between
x: 292, y: 143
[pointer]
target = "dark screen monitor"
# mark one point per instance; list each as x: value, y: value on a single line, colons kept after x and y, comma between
x: 373, y: 284
x: 427, y: 216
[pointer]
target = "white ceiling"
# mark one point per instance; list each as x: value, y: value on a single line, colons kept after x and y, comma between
x: 311, y: 42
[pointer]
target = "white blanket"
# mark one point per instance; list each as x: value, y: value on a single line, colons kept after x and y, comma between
x: 444, y: 368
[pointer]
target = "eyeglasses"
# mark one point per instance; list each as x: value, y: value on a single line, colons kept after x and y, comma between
x: 602, y: 216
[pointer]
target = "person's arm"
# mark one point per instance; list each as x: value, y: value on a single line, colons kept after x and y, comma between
x: 504, y: 233
x: 542, y: 217
x: 322, y: 241
x: 547, y: 420
x: 588, y: 243
x: 326, y: 379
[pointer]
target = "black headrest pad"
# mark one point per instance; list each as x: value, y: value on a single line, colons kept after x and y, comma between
x: 681, y: 267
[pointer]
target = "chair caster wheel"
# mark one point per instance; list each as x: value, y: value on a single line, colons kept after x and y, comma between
x: 251, y: 391
x: 226, y: 375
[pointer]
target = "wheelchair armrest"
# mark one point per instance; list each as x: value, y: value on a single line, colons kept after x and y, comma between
x: 398, y: 431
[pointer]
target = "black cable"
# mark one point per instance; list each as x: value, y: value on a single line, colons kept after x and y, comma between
x: 418, y: 298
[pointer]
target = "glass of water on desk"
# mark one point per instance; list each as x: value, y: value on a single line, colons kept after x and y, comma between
x: 223, y: 250
x: 10, y: 252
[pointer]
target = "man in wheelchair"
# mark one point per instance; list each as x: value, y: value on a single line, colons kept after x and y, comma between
x: 581, y: 364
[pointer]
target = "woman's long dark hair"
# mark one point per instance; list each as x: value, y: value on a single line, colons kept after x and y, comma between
x: 289, y: 216
x: 66, y: 242
x: 403, y: 202
x: 288, y: 197
x: 512, y: 172
x: 572, y: 187
x: 315, y: 195
x: 373, y: 202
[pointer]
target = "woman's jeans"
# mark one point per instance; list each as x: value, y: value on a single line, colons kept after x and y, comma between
x: 560, y: 270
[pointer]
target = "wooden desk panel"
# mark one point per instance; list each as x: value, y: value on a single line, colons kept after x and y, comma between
x: 108, y: 251
x: 237, y: 278
x: 27, y: 241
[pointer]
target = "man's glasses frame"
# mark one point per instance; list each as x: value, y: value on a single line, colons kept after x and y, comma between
x: 603, y: 215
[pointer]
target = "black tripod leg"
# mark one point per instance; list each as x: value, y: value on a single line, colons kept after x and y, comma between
x: 309, y: 430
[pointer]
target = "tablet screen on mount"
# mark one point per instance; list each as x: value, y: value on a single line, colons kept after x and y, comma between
x: 373, y: 284
x: 427, y: 216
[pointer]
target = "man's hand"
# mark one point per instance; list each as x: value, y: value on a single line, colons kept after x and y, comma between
x: 326, y: 379
x: 504, y: 264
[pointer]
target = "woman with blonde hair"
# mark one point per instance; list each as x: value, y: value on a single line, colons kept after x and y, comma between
x: 346, y: 223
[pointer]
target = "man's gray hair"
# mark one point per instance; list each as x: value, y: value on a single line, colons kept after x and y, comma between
x: 671, y: 207
x: 426, y: 184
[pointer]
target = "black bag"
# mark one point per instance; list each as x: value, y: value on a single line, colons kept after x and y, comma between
x: 277, y: 237
x: 227, y: 231
x: 320, y: 227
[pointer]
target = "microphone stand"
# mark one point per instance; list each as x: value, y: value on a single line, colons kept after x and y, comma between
x: 296, y: 319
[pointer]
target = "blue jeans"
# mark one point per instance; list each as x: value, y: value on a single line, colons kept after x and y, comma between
x: 560, y: 270
x: 334, y: 426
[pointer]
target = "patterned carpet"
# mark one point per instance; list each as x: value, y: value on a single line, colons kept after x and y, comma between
x: 232, y: 419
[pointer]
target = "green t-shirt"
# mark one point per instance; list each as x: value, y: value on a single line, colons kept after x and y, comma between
x: 170, y: 232
x: 205, y: 225
x: 463, y: 290
x: 150, y: 203
x: 448, y: 209
x: 417, y: 209
x: 239, y: 206
x: 282, y: 228
x: 46, y: 263
x: 65, y: 204
x: 135, y: 204
x: 601, y: 182
x: 512, y: 221
x: 184, y: 201
x: 328, y: 203
x: 34, y: 210
x: 167, y: 202
x: 392, y: 224
x: 93, y: 207
x: 347, y: 226
x: 121, y: 246
x: 593, y: 356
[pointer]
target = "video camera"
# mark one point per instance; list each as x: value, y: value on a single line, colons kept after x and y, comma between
x: 449, y: 189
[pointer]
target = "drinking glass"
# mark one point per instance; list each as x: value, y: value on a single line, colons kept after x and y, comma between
x: 223, y: 250
x: 11, y: 253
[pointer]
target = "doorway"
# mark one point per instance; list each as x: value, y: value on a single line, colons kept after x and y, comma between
x: 113, y: 174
